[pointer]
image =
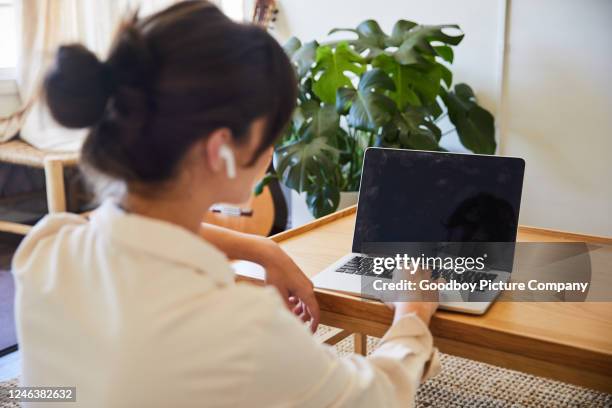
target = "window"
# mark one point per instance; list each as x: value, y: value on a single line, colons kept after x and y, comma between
x: 8, y: 32
x: 234, y: 9
x: 8, y: 39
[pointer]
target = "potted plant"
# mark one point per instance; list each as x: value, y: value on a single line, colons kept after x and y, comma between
x: 373, y: 90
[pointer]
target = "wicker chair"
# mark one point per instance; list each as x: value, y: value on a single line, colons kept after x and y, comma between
x: 21, y: 153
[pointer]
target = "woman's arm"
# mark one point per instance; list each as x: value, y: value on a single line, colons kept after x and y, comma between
x: 239, y: 245
x: 281, y: 272
x: 292, y: 369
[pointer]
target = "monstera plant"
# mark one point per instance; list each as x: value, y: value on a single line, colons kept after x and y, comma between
x: 372, y: 90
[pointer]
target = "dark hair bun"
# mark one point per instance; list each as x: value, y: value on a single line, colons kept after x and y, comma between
x: 169, y: 80
x: 77, y: 87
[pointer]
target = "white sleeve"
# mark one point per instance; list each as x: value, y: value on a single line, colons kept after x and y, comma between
x: 291, y: 369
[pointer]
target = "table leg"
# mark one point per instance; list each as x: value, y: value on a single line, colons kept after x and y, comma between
x: 361, y: 343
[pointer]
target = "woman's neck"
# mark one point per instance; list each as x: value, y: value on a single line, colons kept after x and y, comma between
x: 179, y: 209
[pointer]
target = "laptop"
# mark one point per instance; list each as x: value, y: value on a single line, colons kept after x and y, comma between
x: 423, y: 203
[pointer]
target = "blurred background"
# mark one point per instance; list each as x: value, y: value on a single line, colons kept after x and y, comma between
x: 542, y: 68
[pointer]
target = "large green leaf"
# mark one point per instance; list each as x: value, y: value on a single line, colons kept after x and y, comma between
x: 323, y: 199
x: 447, y: 75
x: 291, y: 46
x: 305, y: 93
x: 303, y: 56
x: 369, y: 37
x: 414, y: 85
x: 433, y: 110
x: 445, y: 52
x: 399, y: 32
x: 311, y: 159
x: 475, y: 125
x: 416, y: 132
x: 417, y: 41
x: 330, y: 71
x: 412, y: 43
x: 302, y: 165
x: 323, y: 122
x: 304, y: 112
x: 368, y: 107
x: 404, y: 93
x: 308, y: 109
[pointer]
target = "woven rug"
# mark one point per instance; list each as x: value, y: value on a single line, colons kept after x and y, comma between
x: 5, y: 402
x: 467, y: 383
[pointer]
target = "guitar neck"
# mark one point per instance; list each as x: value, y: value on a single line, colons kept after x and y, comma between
x: 264, y: 13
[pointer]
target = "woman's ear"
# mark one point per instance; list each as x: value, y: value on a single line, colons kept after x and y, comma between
x: 213, y: 149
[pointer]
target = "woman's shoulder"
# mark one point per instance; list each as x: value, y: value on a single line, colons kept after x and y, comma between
x: 45, y: 230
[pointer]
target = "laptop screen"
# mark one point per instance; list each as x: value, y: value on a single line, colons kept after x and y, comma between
x: 417, y: 196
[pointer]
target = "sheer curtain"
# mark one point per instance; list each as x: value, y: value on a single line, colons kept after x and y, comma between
x: 43, y: 25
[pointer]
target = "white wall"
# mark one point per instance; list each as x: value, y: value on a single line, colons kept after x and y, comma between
x: 553, y: 104
x: 558, y: 111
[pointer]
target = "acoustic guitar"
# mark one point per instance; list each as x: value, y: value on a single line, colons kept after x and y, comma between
x: 265, y: 213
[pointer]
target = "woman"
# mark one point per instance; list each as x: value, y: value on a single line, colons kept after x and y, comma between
x: 138, y: 306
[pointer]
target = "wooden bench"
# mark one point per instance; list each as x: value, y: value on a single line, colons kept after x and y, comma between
x: 20, y: 153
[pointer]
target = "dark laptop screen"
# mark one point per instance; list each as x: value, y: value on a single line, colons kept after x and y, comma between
x: 415, y: 196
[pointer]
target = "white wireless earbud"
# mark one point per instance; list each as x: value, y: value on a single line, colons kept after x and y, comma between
x: 230, y: 163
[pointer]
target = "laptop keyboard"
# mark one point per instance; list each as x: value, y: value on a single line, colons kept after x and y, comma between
x: 364, y: 266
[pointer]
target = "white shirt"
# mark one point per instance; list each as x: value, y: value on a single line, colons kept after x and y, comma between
x: 136, y: 312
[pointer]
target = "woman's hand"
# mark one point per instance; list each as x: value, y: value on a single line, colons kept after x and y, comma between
x: 294, y: 286
x: 422, y: 303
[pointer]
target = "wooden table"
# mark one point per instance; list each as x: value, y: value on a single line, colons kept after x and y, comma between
x: 571, y: 342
